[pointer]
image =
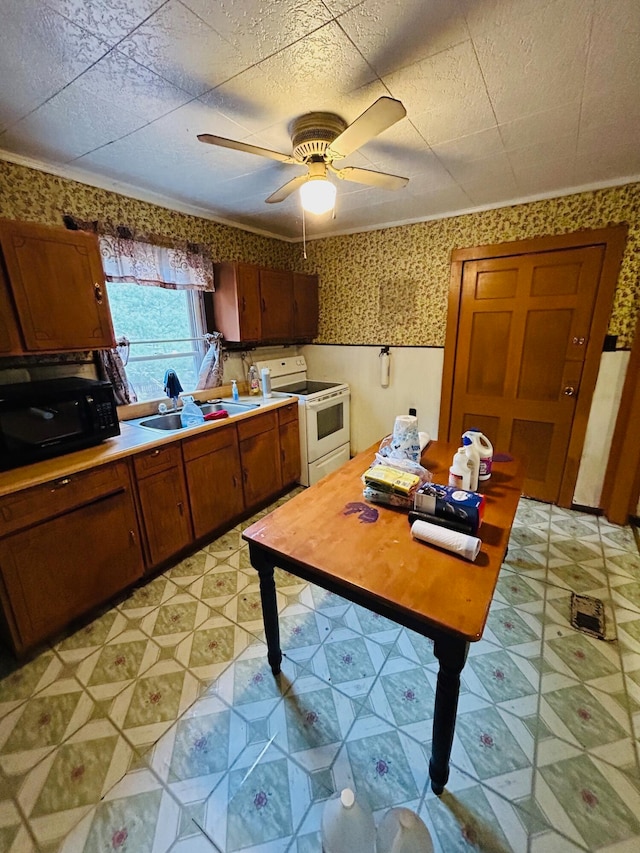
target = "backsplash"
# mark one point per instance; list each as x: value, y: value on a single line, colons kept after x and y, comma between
x: 377, y: 287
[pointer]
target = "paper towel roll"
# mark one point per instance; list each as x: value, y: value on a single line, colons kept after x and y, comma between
x: 405, y: 442
x: 458, y: 543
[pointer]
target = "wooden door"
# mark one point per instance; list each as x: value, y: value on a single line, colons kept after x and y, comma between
x: 276, y: 295
x: 528, y: 334
x: 305, y: 306
x: 58, y: 286
x: 10, y: 343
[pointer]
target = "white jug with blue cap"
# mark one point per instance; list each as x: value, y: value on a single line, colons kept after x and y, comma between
x: 484, y: 448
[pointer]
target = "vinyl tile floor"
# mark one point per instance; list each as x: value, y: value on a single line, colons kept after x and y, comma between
x: 159, y: 727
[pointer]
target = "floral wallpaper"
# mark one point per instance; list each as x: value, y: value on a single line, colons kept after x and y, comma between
x: 377, y: 287
x: 390, y: 286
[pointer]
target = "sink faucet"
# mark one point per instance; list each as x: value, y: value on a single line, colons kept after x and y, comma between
x: 172, y: 387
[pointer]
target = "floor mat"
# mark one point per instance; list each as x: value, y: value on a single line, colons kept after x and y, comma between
x: 587, y: 615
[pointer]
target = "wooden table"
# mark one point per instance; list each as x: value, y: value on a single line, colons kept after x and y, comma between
x: 364, y: 552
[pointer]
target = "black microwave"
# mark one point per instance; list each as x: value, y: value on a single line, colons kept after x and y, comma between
x: 39, y: 420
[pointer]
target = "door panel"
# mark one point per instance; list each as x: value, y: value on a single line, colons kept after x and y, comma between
x: 522, y: 338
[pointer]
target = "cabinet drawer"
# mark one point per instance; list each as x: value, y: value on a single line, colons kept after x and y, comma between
x: 31, y: 506
x: 217, y: 439
x: 153, y: 461
x: 288, y: 413
x: 256, y: 425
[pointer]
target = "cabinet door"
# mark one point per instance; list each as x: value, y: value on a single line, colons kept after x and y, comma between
x: 305, y: 305
x: 58, y: 286
x: 165, y: 513
x: 58, y: 570
x: 10, y: 342
x: 215, y: 488
x: 236, y: 302
x: 290, y: 452
x: 260, y: 467
x: 276, y: 297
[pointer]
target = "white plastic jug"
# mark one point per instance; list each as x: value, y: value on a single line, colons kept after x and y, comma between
x: 348, y: 825
x: 402, y: 831
x: 473, y: 460
x: 485, y: 450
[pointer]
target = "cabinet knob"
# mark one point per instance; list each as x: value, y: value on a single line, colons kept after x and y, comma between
x: 181, y: 507
x: 132, y: 536
x: 58, y: 484
x: 97, y: 292
x: 155, y: 453
x: 569, y: 391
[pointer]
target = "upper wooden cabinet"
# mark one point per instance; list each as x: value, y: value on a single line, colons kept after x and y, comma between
x: 54, y: 290
x: 253, y: 304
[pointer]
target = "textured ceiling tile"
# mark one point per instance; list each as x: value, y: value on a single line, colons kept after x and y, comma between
x: 562, y: 147
x: 544, y: 177
x: 492, y: 168
x: 444, y: 95
x: 110, y: 20
x: 389, y: 40
x: 475, y: 146
x: 614, y: 55
x: 399, y: 150
x: 527, y: 59
x: 544, y: 126
x: 605, y: 166
x: 491, y: 187
x: 182, y: 48
x: 40, y: 52
x: 258, y: 28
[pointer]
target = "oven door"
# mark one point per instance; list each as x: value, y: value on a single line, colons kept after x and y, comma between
x: 327, y: 424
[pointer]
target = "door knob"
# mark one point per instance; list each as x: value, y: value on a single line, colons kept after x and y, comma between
x: 569, y: 391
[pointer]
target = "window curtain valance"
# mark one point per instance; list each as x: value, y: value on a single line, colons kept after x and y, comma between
x: 129, y: 256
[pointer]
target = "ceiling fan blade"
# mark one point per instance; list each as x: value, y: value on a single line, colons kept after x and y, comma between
x: 380, y: 115
x: 372, y: 179
x: 286, y: 190
x: 244, y: 146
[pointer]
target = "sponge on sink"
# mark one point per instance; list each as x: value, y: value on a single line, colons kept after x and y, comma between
x: 217, y: 416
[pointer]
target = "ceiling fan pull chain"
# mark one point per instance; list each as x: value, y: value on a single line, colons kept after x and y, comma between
x: 304, y: 236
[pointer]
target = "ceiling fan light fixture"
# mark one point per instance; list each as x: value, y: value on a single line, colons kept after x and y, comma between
x: 318, y: 195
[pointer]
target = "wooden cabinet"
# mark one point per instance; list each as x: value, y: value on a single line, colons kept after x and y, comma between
x: 259, y: 458
x: 162, y: 493
x: 10, y: 342
x: 214, y: 480
x: 289, y: 435
x: 305, y: 306
x: 57, y: 290
x: 276, y: 305
x: 253, y: 304
x: 65, y: 547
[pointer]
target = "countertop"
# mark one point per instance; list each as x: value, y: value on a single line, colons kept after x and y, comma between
x: 132, y: 439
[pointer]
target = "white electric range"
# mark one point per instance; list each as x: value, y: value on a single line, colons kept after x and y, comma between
x: 323, y: 416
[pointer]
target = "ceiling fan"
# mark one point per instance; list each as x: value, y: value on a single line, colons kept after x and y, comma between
x: 317, y: 140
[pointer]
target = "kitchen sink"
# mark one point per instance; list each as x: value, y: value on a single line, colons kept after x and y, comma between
x: 171, y: 420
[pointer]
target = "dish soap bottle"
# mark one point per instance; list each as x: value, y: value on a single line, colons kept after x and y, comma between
x: 190, y: 415
x: 254, y: 380
x: 234, y: 391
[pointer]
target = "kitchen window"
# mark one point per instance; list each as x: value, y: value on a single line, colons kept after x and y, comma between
x: 155, y: 295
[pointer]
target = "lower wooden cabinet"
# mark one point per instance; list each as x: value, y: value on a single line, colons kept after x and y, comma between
x: 162, y: 492
x: 78, y: 546
x: 289, y: 434
x: 214, y: 481
x: 260, y: 458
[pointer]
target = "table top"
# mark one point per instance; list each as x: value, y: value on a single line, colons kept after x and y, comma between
x: 368, y: 555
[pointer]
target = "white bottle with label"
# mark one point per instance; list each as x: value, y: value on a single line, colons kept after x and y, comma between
x: 348, y: 825
x: 484, y: 448
x: 460, y: 473
x: 473, y: 458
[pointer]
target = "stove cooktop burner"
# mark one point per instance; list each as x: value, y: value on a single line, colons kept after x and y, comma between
x: 305, y: 387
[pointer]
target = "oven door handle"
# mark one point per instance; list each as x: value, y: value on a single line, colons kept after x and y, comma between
x: 317, y: 404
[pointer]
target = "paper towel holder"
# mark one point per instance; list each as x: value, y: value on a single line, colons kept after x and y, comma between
x: 385, y: 366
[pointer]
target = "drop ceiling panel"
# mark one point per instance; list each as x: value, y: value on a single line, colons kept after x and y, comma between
x: 504, y: 99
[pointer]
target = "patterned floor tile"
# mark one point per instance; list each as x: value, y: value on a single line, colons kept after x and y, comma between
x: 137, y: 815
x: 19, y: 680
x: 14, y: 835
x: 218, y: 585
x: 198, y: 750
x: 143, y: 599
x: 329, y: 603
x: 259, y: 804
x: 311, y: 722
x: 227, y: 544
x: 625, y: 593
x: 187, y: 571
x: 35, y: 728
x: 385, y: 766
x: 144, y: 710
x: 246, y: 608
x: 64, y: 786
x: 516, y: 629
x: 371, y: 625
x: 582, y: 578
x: 80, y: 643
x: 207, y: 651
x: 504, y: 678
x: 174, y: 620
x: 621, y: 562
x: 403, y: 695
x: 349, y: 661
x: 117, y: 663
x: 526, y: 561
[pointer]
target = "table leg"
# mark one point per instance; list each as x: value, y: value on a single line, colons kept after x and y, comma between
x: 452, y: 654
x: 265, y: 566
